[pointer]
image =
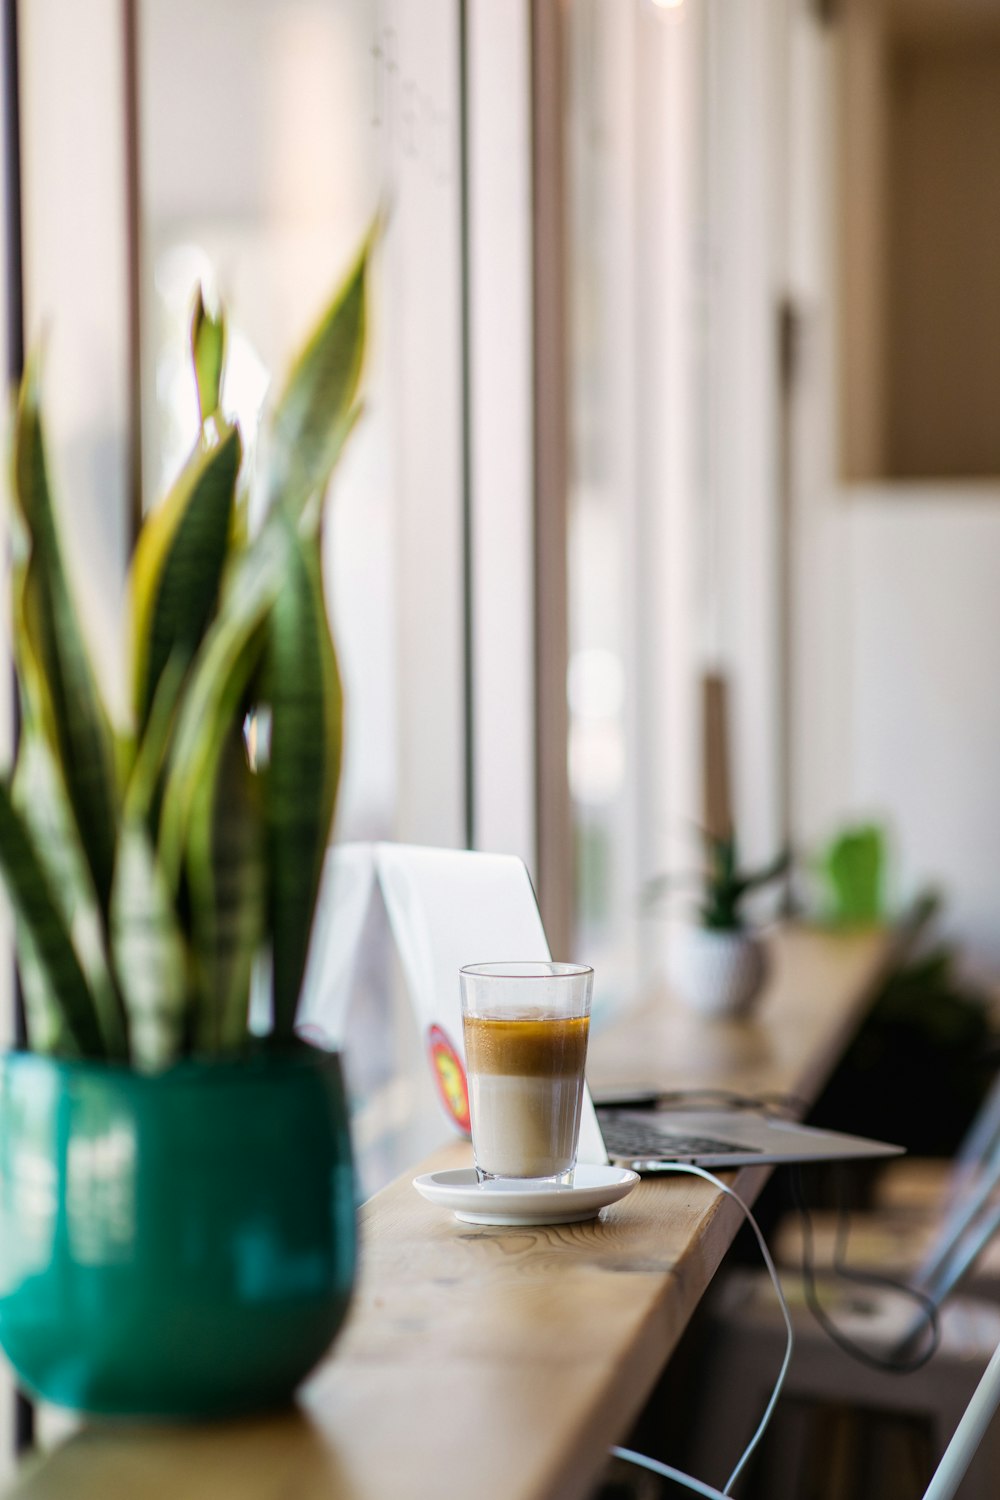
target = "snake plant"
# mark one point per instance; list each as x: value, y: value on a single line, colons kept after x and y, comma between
x: 150, y: 866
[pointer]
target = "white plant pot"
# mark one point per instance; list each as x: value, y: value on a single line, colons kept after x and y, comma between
x: 717, y: 974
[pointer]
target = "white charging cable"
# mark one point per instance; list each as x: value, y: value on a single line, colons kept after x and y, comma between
x: 666, y: 1470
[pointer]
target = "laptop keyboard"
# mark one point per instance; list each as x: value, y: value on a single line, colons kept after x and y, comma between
x: 646, y: 1139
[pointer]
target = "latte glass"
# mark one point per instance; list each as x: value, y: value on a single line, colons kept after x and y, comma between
x: 525, y: 1027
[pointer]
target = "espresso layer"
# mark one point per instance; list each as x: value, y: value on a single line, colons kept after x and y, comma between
x: 545, y: 1047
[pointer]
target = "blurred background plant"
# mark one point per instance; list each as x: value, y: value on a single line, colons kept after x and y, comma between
x: 852, y: 870
x: 724, y: 884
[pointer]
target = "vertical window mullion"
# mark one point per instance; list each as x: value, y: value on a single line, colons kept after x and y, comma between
x: 500, y: 427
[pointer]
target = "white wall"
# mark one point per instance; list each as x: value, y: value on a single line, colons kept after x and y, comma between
x: 896, y: 640
x: 924, y: 665
x: 907, y: 664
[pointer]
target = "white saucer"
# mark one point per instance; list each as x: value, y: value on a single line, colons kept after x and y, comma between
x: 507, y: 1201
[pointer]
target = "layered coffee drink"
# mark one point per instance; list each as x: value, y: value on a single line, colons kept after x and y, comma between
x: 525, y: 1077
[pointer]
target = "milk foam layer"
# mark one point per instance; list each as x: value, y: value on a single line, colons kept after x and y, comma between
x: 524, y: 1127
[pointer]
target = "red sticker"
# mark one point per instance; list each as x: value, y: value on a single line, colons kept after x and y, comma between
x: 449, y: 1073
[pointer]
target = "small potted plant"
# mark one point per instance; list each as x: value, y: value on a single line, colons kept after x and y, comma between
x: 176, y: 1195
x: 718, y: 965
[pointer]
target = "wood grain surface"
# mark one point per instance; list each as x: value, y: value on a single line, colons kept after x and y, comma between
x: 503, y: 1362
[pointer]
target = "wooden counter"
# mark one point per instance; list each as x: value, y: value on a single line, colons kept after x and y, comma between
x: 503, y: 1362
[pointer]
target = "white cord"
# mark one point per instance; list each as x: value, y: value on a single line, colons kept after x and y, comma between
x: 667, y: 1472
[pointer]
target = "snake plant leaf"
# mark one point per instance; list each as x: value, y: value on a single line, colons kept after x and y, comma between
x: 227, y: 888
x: 45, y: 1021
x: 304, y: 690
x: 319, y: 405
x: 179, y: 561
x: 39, y: 795
x: 70, y: 707
x: 219, y: 679
x: 32, y: 698
x: 208, y: 352
x: 150, y: 954
x: 63, y: 1011
x: 144, y: 780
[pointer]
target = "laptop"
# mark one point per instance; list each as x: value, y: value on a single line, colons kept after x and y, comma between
x: 649, y: 1141
x: 448, y: 908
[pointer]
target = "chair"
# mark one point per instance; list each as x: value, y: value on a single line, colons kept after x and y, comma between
x: 745, y: 1335
x: 968, y: 1435
x: 951, y: 1475
x: 933, y: 1226
x: 743, y: 1342
x: 937, y: 1252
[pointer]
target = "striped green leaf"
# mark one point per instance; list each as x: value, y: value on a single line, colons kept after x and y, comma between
x: 319, y: 405
x: 54, y: 656
x: 217, y: 689
x: 55, y: 977
x: 208, y: 351
x: 39, y: 795
x: 304, y: 690
x: 226, y: 885
x: 149, y: 951
x: 145, y: 777
x: 46, y: 1024
x: 178, y: 564
x: 148, y: 943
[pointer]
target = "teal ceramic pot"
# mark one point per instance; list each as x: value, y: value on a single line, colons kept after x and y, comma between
x: 176, y: 1245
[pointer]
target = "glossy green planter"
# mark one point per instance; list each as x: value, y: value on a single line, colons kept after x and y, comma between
x: 175, y: 1245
